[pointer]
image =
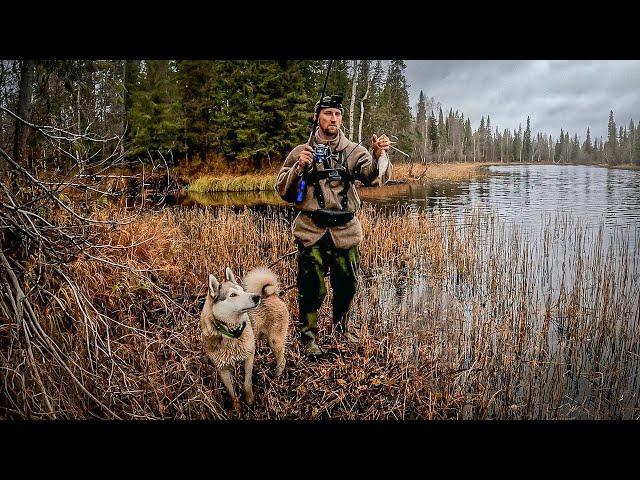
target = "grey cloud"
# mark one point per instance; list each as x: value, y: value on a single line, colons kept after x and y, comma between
x: 567, y: 94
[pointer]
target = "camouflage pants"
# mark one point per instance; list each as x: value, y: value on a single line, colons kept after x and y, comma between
x: 313, y: 263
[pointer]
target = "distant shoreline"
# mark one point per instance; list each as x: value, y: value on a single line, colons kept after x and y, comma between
x: 455, y: 171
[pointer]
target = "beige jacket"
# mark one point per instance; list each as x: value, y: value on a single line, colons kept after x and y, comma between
x: 360, y: 164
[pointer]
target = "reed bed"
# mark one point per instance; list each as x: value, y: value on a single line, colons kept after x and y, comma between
x: 459, y: 317
x: 233, y: 183
x: 439, y: 171
x: 265, y: 181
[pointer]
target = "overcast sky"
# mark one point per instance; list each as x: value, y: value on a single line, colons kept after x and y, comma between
x: 568, y: 94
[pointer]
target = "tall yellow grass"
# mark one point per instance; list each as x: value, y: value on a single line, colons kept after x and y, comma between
x: 233, y: 183
x: 440, y: 171
x: 457, y: 319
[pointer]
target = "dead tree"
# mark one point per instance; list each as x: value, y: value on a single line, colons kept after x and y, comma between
x: 352, y: 107
x: 27, y: 73
x: 45, y: 224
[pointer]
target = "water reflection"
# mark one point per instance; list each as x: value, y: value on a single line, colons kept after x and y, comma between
x: 517, y: 194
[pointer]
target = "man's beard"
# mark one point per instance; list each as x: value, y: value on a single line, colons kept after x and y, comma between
x: 330, y: 133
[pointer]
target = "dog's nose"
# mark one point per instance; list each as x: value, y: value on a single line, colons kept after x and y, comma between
x: 255, y: 298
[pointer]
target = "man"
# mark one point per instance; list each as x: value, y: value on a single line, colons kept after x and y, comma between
x: 326, y: 230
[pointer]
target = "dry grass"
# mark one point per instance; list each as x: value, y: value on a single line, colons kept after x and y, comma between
x: 233, y: 183
x: 439, y: 171
x: 456, y: 321
x: 265, y: 181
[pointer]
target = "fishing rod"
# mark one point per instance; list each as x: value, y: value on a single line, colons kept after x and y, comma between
x: 302, y: 187
x: 316, y: 116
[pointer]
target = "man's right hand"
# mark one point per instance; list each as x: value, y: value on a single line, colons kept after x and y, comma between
x: 306, y: 157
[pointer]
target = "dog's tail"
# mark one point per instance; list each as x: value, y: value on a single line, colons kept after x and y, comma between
x: 263, y: 281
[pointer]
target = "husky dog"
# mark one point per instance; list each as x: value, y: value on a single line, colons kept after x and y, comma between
x: 234, y: 318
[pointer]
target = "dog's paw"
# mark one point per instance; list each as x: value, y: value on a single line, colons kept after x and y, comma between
x: 249, y: 397
x: 235, y: 406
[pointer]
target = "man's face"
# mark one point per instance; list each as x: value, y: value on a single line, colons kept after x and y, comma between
x: 329, y: 121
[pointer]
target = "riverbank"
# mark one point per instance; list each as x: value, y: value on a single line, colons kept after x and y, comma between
x: 261, y: 181
x: 440, y: 171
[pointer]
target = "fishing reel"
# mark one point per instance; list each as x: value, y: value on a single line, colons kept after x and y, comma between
x: 321, y: 154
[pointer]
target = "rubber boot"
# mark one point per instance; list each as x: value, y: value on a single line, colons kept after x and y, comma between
x: 340, y: 328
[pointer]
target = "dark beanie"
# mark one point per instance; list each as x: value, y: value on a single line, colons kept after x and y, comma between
x: 330, y: 101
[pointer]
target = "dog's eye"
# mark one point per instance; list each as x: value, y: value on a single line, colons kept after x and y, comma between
x: 233, y: 295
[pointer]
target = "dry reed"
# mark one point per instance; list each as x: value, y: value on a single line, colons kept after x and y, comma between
x: 458, y: 318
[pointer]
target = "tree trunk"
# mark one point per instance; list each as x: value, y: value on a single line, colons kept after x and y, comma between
x: 474, y: 149
x: 352, y: 108
x: 366, y: 94
x: 131, y: 68
x: 27, y: 74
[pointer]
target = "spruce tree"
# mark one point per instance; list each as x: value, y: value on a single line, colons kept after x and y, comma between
x: 395, y: 101
x: 433, y: 132
x: 575, y: 149
x: 375, y: 100
x: 612, y: 141
x: 156, y: 114
x: 586, y: 146
x: 201, y: 100
x: 526, y: 144
x: 467, y: 147
x: 517, y: 144
x: 632, y: 140
x: 480, y: 139
x: 487, y: 139
x: 421, y: 121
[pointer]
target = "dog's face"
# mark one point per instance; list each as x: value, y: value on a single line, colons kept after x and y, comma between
x: 230, y: 301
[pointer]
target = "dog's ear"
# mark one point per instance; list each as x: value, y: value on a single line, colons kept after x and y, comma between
x: 230, y: 276
x: 214, y: 286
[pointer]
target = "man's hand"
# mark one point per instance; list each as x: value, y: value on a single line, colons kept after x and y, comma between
x: 306, y: 157
x: 380, y: 144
